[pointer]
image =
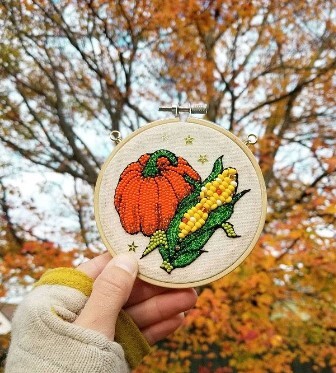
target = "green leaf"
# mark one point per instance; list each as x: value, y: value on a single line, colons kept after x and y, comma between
x: 216, y: 170
x: 190, y: 200
x: 195, y: 242
x: 164, y: 253
x: 219, y: 216
x: 239, y: 195
x: 185, y: 259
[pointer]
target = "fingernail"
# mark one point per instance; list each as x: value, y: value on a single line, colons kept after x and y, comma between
x: 127, y: 262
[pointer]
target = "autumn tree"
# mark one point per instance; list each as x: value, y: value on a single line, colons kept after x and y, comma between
x: 72, y: 71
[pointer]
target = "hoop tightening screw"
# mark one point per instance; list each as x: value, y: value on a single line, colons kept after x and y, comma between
x: 191, y: 109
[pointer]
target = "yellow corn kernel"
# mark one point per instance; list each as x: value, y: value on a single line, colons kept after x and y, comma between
x: 202, y: 221
x: 198, y: 206
x: 198, y: 225
x: 210, y: 193
x: 225, y: 195
x: 190, y: 223
x: 203, y: 200
x: 232, y: 171
x: 231, y: 188
x: 220, y: 176
x: 212, y: 200
x: 219, y: 202
x: 222, y: 198
x: 215, y: 184
x: 205, y: 215
x: 193, y: 219
x: 215, y: 195
x: 197, y: 216
x: 187, y: 228
x: 186, y: 215
x: 202, y: 194
x: 214, y: 206
x: 227, y: 180
x: 182, y: 225
x: 213, y: 188
x: 222, y: 187
x: 193, y: 229
x: 184, y: 231
x: 225, y: 172
x: 228, y: 200
x: 181, y: 235
x: 208, y: 185
x: 207, y: 205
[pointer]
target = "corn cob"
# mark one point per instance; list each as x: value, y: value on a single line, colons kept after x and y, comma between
x: 212, y: 195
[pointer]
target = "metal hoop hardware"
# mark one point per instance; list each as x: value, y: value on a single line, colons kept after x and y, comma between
x: 115, y: 136
x: 251, y: 139
x: 191, y: 109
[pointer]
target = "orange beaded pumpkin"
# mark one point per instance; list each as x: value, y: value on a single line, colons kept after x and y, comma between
x: 149, y: 191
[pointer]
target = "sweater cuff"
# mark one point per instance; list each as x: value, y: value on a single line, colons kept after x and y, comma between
x: 127, y: 333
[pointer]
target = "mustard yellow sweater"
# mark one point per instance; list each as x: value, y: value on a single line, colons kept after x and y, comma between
x: 45, y: 340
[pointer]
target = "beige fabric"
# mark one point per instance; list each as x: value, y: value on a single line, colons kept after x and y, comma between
x: 45, y: 340
x: 222, y: 252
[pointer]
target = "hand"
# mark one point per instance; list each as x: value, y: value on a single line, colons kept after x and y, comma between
x: 157, y: 311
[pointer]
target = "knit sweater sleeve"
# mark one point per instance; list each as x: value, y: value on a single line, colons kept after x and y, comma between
x: 44, y: 338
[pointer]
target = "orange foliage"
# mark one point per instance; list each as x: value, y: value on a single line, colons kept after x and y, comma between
x: 32, y: 260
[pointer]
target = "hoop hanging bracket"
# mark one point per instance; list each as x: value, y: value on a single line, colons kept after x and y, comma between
x: 115, y: 136
x: 251, y: 139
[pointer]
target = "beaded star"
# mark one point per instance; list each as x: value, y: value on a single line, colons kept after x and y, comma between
x: 203, y: 158
x: 189, y: 140
x: 132, y: 246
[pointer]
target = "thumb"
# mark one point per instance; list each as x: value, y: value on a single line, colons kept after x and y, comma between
x: 110, y: 292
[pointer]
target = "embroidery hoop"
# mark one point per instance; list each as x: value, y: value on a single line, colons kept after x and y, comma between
x: 112, y: 246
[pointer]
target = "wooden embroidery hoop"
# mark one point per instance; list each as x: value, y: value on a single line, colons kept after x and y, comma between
x: 233, y: 138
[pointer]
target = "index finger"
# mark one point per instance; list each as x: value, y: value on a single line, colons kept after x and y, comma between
x: 142, y: 291
x: 95, y: 266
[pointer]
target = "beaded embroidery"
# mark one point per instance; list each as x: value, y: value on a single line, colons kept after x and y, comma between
x: 149, y: 191
x: 163, y: 197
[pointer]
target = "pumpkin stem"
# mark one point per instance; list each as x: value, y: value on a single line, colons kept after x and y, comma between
x: 151, y: 169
